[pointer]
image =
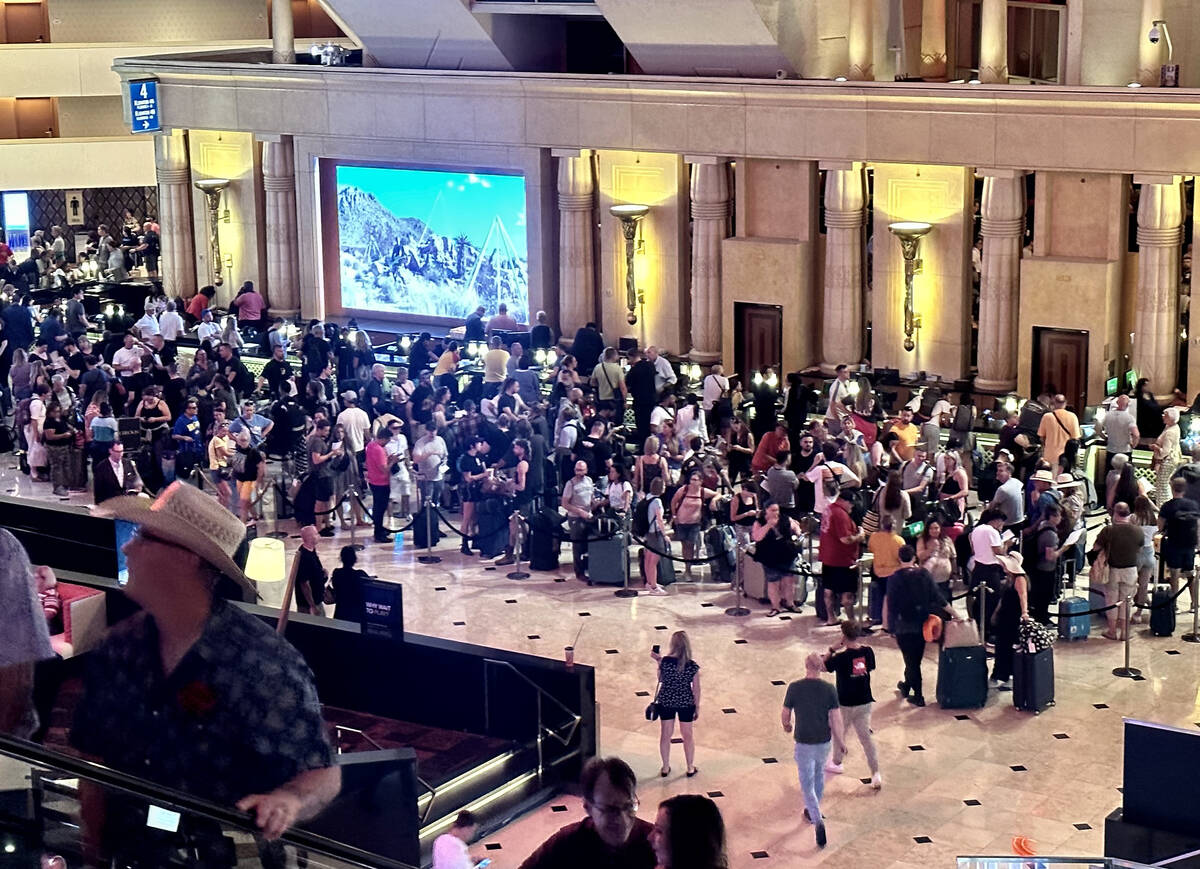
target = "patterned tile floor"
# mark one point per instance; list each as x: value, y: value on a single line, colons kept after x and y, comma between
x: 955, y: 783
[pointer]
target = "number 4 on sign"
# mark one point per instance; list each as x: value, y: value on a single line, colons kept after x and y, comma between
x: 142, y: 92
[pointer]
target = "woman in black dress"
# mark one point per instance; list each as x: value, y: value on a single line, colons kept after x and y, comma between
x: 347, y: 582
x: 1010, y: 612
x: 740, y: 451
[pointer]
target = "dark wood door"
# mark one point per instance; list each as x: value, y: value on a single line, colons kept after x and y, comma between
x: 25, y: 22
x: 757, y: 338
x: 1061, y: 362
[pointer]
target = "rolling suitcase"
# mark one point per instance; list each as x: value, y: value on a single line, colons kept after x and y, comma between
x: 666, y: 568
x: 1033, y: 680
x: 491, y: 524
x: 420, y: 528
x: 962, y: 678
x: 1072, y: 625
x: 1162, y: 612
x: 608, y: 560
x: 754, y: 580
x: 721, y: 553
x: 544, y: 545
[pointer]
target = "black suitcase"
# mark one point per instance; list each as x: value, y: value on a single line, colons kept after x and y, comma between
x: 608, y: 560
x: 544, y: 544
x: 1033, y: 680
x: 420, y: 527
x: 666, y: 568
x: 962, y: 678
x: 491, y: 525
x: 721, y: 553
x: 1162, y: 612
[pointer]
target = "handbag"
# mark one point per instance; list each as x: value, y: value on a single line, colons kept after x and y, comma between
x: 960, y: 633
x: 652, y: 706
x: 932, y: 629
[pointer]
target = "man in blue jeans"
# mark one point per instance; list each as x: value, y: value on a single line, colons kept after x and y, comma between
x: 818, y: 726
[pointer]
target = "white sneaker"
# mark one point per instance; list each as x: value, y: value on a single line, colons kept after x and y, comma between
x: 876, y: 781
x: 833, y: 768
x: 658, y: 590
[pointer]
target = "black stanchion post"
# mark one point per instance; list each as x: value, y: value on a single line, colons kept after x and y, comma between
x: 739, y: 608
x: 427, y: 504
x: 1194, y: 636
x: 1128, y: 672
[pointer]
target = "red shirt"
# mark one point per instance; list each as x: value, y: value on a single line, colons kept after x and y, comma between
x: 197, y: 305
x: 378, y: 473
x: 764, y: 456
x: 835, y: 525
x: 5, y: 253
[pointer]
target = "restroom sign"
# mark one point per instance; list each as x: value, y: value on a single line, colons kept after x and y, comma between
x: 143, y: 106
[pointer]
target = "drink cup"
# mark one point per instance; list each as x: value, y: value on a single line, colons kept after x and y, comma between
x: 569, y: 656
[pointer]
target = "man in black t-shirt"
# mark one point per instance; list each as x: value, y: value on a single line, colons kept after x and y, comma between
x: 853, y: 663
x: 276, y: 370
x: 1178, y: 518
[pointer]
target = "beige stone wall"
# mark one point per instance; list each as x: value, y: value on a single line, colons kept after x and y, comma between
x: 1068, y: 293
x: 775, y: 199
x: 1080, y: 215
x: 218, y: 154
x: 160, y: 21
x: 941, y: 195
x: 772, y: 272
x: 83, y: 117
x: 663, y: 263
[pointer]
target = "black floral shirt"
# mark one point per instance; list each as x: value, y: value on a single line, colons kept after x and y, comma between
x: 239, y: 715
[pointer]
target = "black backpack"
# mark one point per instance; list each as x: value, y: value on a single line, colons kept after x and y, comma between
x: 641, y: 517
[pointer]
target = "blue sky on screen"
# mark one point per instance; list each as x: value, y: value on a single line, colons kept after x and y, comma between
x: 449, y: 202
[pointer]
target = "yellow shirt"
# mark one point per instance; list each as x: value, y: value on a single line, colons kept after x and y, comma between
x: 885, y: 546
x: 446, y: 363
x: 1054, y: 436
x: 495, y: 365
x: 907, y: 435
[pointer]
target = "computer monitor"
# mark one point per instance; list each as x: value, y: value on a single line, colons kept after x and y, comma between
x: 1110, y: 386
x: 1131, y: 378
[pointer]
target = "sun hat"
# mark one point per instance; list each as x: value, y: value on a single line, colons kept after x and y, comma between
x: 1066, y: 481
x: 1012, y: 563
x: 185, y: 516
x: 349, y: 395
x: 1043, y: 477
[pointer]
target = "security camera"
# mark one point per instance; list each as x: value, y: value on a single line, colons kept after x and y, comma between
x: 1155, y: 35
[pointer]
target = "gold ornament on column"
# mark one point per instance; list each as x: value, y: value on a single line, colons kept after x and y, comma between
x: 910, y: 232
x: 212, y: 188
x: 630, y: 216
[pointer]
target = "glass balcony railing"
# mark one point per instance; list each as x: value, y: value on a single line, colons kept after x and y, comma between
x: 1011, y: 862
x: 53, y: 809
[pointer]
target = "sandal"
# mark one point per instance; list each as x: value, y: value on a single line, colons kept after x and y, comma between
x: 772, y: 613
x: 664, y: 772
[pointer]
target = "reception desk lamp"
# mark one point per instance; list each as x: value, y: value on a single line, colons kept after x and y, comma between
x: 630, y: 216
x: 910, y: 232
x: 266, y: 567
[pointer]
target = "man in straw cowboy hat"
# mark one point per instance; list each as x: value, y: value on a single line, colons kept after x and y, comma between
x: 195, y: 693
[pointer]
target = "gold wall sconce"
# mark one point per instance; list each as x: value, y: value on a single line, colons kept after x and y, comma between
x: 212, y: 188
x: 630, y: 216
x: 910, y: 232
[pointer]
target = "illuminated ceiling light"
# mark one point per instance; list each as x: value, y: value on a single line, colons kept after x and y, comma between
x: 1134, y: 84
x: 974, y: 81
x: 841, y: 78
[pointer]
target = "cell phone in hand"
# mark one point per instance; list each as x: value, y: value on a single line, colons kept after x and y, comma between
x: 655, y: 648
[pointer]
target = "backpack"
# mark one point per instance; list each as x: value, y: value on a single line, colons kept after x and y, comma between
x: 21, y: 416
x: 641, y: 517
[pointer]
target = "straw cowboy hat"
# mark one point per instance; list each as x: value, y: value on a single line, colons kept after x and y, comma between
x: 1012, y: 563
x: 185, y: 516
x: 1043, y: 477
x: 1066, y: 481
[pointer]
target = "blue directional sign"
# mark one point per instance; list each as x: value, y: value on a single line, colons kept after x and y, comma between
x: 143, y: 105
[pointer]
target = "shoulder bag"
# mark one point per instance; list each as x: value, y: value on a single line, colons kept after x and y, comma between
x: 652, y: 707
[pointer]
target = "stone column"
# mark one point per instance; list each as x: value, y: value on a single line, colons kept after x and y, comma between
x: 933, y: 40
x: 993, y: 42
x: 178, y: 266
x: 283, y: 244
x: 859, y: 42
x: 1156, y: 306
x: 283, y: 32
x: 1150, y: 56
x: 710, y: 226
x: 1002, y: 222
x: 842, y: 311
x: 576, y: 241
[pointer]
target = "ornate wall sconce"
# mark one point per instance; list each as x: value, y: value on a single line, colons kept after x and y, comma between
x: 909, y: 232
x: 630, y: 216
x: 212, y: 188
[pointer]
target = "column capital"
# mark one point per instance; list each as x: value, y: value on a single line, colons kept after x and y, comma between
x: 704, y: 160
x: 1146, y: 178
x: 710, y: 210
x: 268, y: 137
x: 174, y: 176
x: 1001, y: 173
x: 839, y: 165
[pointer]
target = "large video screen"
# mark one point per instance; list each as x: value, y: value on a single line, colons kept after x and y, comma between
x: 430, y: 242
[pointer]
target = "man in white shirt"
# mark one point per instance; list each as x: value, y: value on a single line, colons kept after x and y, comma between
x: 356, y: 424
x: 664, y: 374
x: 1009, y: 498
x: 127, y: 361
x: 838, y: 390
x: 148, y: 324
x: 207, y: 328
x: 663, y: 411
x: 716, y: 384
x: 1119, y: 429
x: 170, y: 324
x: 825, y: 470
x: 450, y: 848
x: 428, y: 455
x: 986, y: 545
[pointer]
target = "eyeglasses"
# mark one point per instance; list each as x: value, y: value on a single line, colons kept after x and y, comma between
x: 629, y: 808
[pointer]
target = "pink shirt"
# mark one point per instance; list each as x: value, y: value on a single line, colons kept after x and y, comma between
x: 377, y: 464
x: 250, y: 306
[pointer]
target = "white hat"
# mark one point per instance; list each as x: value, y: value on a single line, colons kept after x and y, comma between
x: 185, y: 516
x: 1012, y: 563
x: 1066, y: 481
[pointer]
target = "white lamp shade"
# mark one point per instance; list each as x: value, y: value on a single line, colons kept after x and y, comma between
x: 266, y: 566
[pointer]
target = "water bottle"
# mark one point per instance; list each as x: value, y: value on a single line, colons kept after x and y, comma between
x: 398, y: 543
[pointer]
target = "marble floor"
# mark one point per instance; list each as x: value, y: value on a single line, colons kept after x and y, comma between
x: 984, y: 781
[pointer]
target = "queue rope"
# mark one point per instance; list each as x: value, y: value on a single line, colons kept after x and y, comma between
x: 412, y: 520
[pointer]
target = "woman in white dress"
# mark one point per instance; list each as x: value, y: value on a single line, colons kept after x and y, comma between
x: 1167, y: 455
x: 401, y: 484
